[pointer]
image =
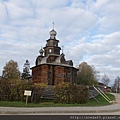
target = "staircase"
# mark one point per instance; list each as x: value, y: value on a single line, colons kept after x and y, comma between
x: 92, y: 92
x: 103, y: 95
x: 48, y: 93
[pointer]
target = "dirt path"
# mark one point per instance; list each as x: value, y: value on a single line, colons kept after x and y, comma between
x: 117, y: 96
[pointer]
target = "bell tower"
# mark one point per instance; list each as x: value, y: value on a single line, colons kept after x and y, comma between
x: 52, y: 44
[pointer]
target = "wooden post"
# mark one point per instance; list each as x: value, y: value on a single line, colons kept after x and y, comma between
x: 26, y: 99
x: 27, y: 93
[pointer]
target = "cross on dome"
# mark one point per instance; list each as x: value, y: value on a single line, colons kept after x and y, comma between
x: 53, y: 25
x: 53, y: 33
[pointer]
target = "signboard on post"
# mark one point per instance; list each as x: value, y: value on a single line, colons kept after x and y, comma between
x: 27, y: 93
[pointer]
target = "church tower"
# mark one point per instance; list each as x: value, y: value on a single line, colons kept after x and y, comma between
x: 52, y: 44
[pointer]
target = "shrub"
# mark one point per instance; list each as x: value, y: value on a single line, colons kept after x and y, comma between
x: 21, y: 87
x: 15, y: 92
x: 70, y: 93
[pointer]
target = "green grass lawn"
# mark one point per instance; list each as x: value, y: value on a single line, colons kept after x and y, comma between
x: 91, y: 102
x: 101, y: 100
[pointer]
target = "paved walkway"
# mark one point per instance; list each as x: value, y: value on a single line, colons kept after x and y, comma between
x: 115, y: 107
x: 117, y: 96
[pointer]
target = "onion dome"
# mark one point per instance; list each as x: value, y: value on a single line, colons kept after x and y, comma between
x: 53, y: 33
x: 41, y: 52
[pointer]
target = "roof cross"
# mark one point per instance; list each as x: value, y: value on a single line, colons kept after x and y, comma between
x: 53, y: 25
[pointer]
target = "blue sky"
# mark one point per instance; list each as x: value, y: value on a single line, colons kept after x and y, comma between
x: 89, y: 30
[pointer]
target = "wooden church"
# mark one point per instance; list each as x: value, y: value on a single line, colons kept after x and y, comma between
x: 51, y: 67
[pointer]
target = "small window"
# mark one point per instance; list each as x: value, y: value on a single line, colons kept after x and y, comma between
x: 50, y: 50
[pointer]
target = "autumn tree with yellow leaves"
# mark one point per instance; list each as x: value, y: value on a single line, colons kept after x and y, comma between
x: 87, y: 75
x: 11, y: 72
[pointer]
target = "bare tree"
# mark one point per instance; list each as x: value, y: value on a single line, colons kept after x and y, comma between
x: 105, y: 80
x: 116, y: 85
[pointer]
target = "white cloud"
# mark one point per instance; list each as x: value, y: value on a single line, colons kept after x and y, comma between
x: 2, y: 13
x: 89, y: 31
x: 109, y: 17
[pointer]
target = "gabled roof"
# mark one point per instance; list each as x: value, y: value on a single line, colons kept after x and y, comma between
x: 58, y: 59
x: 44, y: 60
x: 69, y: 62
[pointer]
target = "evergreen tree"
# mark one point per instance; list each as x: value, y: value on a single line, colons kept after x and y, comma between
x: 26, y: 71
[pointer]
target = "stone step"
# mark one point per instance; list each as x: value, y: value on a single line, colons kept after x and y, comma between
x: 48, y: 93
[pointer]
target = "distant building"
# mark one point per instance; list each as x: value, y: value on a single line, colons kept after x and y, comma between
x: 51, y: 67
x: 101, y: 84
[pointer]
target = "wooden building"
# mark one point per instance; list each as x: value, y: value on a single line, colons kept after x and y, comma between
x: 51, y: 67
